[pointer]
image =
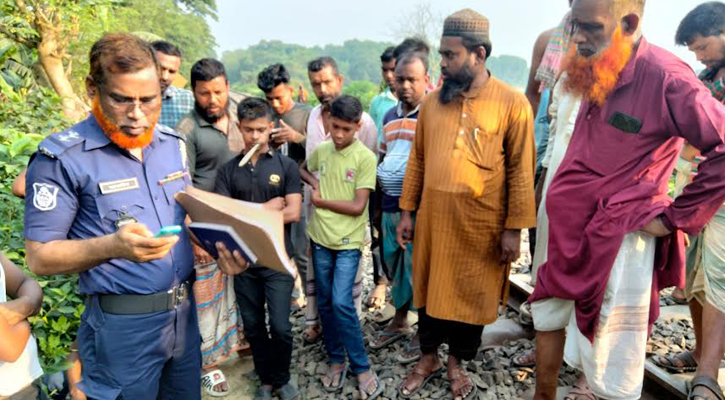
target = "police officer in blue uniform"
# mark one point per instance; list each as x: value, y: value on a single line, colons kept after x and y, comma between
x: 96, y: 196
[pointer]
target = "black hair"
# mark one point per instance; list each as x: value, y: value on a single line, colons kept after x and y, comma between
x: 346, y: 108
x: 388, y: 55
x: 471, y: 44
x: 205, y: 70
x: 318, y: 64
x: 410, y: 57
x: 411, y: 45
x: 166, y: 48
x: 271, y: 77
x: 253, y: 108
x: 707, y: 19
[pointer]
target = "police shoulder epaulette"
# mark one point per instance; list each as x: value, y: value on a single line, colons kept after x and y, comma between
x: 55, y: 144
x: 169, y: 131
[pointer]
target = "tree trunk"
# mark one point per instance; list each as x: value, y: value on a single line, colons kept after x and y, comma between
x: 51, y: 60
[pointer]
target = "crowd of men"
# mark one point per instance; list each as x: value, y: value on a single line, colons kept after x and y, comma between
x: 442, y: 179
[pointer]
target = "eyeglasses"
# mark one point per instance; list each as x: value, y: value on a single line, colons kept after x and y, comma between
x: 128, y: 104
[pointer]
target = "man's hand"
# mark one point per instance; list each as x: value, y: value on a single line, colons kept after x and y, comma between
x: 136, y: 243
x: 284, y: 134
x: 404, y: 230
x: 276, y: 204
x: 510, y: 245
x: 656, y: 228
x: 230, y: 264
x: 316, y: 197
x: 200, y: 255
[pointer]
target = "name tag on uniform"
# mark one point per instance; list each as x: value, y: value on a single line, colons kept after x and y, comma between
x: 120, y: 185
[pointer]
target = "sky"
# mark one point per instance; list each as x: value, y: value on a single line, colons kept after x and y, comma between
x: 515, y: 24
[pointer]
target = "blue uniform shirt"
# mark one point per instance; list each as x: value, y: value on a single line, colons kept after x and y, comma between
x: 79, y: 184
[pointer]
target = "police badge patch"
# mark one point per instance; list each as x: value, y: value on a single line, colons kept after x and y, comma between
x: 44, y: 196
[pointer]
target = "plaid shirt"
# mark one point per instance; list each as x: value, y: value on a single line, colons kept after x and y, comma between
x: 717, y: 87
x: 176, y: 103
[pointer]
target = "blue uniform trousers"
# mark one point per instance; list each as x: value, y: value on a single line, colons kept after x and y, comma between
x: 142, y: 356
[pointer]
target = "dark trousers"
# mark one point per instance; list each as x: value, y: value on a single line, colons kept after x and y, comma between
x: 463, y: 339
x: 152, y: 356
x: 380, y: 270
x: 271, y: 350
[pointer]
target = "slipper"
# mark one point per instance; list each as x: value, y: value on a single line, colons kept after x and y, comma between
x: 433, y: 374
x: 382, y: 316
x: 518, y: 359
x: 331, y: 375
x: 668, y: 362
x: 390, y: 338
x: 706, y: 382
x: 365, y: 385
x: 409, y: 348
x: 211, y: 379
x: 680, y: 302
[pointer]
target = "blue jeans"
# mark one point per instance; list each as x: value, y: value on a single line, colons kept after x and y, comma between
x: 335, y: 272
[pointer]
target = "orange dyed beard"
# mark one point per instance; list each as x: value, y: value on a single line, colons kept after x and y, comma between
x: 116, y: 135
x: 595, y: 77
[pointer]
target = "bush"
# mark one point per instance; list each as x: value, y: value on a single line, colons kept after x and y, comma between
x: 26, y: 116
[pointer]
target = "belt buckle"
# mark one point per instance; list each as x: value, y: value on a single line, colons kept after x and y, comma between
x: 177, y: 295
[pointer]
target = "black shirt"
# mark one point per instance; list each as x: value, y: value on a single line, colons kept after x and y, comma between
x: 275, y: 175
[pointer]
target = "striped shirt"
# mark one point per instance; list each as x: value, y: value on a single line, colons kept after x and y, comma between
x: 398, y: 131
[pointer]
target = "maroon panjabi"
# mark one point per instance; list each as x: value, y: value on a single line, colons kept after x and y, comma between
x: 614, y: 180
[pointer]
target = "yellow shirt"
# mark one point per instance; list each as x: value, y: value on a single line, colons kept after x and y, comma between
x: 341, y: 173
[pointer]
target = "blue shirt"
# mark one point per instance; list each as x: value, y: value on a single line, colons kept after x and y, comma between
x: 175, y: 104
x: 79, y: 184
x: 541, y: 129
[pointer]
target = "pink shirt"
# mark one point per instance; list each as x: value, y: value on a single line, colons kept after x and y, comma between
x: 368, y: 133
x: 612, y: 182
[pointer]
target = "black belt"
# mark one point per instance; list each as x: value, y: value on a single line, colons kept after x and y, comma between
x: 144, y: 303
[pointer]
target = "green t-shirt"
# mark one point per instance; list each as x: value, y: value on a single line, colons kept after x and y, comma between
x: 340, y: 174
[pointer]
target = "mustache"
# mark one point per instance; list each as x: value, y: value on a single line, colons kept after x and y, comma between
x: 207, y: 116
x: 116, y: 134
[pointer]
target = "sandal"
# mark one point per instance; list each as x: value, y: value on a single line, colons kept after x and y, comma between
x: 525, y: 359
x: 459, y: 380
x: 364, y: 387
x: 312, y: 334
x: 580, y: 390
x: 386, y: 338
x: 340, y: 370
x: 212, y: 379
x: 418, y: 372
x: 677, y: 363
x: 410, y: 354
x: 709, y: 384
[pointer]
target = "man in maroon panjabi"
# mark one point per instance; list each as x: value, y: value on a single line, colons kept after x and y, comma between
x: 615, y: 237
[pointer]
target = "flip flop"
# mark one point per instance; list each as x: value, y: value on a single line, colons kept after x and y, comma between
x: 668, y: 362
x: 340, y: 384
x: 409, y: 348
x: 516, y: 360
x: 380, y: 387
x: 433, y: 374
x: 211, y: 379
x: 390, y: 338
x: 706, y: 382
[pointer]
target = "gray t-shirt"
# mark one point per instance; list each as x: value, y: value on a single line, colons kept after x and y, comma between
x: 296, y: 118
x: 207, y: 147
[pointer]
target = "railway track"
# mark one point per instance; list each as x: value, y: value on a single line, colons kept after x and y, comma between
x: 659, y: 384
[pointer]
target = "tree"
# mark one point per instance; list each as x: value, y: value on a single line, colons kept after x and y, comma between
x: 422, y: 23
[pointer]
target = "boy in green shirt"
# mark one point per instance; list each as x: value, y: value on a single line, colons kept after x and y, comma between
x: 337, y: 232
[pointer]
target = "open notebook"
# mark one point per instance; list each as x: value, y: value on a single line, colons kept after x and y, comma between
x: 261, y: 230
